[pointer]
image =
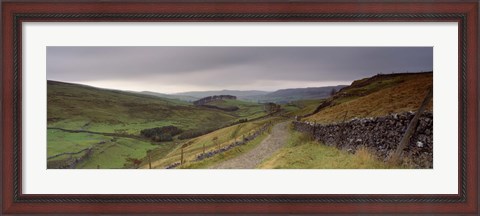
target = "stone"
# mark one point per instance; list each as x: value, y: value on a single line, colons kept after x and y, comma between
x: 420, y: 144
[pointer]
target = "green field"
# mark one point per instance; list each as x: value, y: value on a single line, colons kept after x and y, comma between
x: 107, y: 151
x: 84, y: 108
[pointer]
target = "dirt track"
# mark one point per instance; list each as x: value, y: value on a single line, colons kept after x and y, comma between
x: 265, y: 149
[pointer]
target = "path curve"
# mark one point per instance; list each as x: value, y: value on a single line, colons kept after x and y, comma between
x: 274, y: 141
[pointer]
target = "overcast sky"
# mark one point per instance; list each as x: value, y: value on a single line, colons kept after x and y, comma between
x: 180, y: 69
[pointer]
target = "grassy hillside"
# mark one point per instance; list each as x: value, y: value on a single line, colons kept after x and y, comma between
x: 245, y: 109
x: 223, y: 136
x: 121, y: 114
x: 377, y: 96
x: 288, y: 95
x: 72, y: 106
x: 284, y: 96
x: 301, y: 107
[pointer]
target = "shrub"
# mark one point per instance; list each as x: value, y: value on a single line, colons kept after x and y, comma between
x: 159, y: 134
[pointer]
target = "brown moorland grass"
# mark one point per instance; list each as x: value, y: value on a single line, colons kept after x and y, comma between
x: 403, y: 96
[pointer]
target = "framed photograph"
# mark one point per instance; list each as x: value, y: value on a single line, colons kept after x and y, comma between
x: 240, y: 107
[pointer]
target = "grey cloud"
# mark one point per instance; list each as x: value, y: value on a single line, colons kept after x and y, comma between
x: 223, y: 66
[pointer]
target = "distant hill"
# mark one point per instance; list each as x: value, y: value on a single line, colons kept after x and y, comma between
x: 237, y: 93
x: 288, y: 95
x: 213, y: 98
x: 170, y: 96
x: 279, y: 96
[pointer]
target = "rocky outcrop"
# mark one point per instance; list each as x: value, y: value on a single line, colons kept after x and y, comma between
x: 381, y: 134
x: 209, y: 99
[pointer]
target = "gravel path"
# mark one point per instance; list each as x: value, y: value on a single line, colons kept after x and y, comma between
x: 265, y: 149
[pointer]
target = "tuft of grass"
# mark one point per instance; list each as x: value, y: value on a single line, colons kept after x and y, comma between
x: 302, y: 152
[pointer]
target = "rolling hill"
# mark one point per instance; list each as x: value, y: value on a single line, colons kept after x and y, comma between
x: 170, y: 96
x: 279, y: 96
x: 237, y: 93
x: 289, y: 95
x: 86, y: 122
x: 73, y: 106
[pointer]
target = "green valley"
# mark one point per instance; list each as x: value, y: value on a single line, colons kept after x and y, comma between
x: 90, y: 128
x: 116, y: 118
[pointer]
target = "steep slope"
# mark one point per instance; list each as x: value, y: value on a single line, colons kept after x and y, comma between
x: 376, y: 96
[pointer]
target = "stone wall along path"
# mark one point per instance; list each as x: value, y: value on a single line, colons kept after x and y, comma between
x: 250, y: 160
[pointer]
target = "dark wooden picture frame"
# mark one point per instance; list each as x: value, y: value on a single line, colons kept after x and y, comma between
x: 14, y: 13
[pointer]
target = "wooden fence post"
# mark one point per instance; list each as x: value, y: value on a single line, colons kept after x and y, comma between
x: 395, y: 158
x: 181, y: 157
x: 149, y: 161
x: 203, y: 148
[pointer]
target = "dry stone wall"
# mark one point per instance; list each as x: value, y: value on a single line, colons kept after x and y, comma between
x: 380, y: 134
x: 212, y: 153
